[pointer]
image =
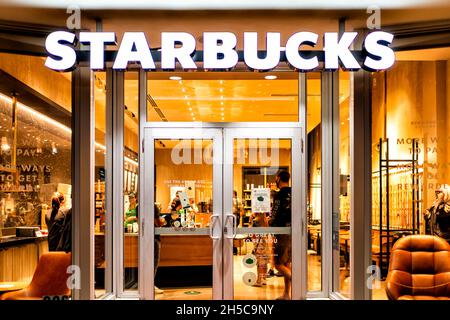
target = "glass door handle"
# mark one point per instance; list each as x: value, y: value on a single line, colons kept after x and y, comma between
x: 213, y: 218
x: 234, y: 226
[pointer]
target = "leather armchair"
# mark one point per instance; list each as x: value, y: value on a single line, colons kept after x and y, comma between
x: 419, y: 269
x: 49, y: 279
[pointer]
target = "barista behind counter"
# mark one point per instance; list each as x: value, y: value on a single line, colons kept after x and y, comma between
x: 177, y: 249
x: 189, y: 216
x: 132, y: 214
x: 178, y: 216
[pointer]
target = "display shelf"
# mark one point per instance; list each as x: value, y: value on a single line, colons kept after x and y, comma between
x: 397, y: 200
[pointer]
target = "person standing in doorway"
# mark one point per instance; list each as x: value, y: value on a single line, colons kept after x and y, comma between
x: 281, y: 217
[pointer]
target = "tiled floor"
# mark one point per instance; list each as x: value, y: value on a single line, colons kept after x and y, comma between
x: 271, y: 291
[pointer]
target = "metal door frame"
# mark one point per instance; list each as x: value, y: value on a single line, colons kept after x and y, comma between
x: 147, y: 196
x: 299, y: 253
x: 222, y: 135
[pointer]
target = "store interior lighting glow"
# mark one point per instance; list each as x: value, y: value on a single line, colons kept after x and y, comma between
x: 52, y: 122
x: 175, y: 78
x: 127, y: 159
x: 270, y: 77
x: 5, y: 145
x: 54, y: 149
x: 38, y: 115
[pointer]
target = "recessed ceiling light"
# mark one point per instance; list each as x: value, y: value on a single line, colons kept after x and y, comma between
x: 190, y: 109
x: 221, y: 103
x: 270, y: 77
x: 183, y: 89
x: 175, y: 78
x: 193, y: 119
x: 221, y: 109
x: 185, y: 97
x: 192, y: 114
x: 221, y: 89
x: 221, y: 81
x: 189, y: 103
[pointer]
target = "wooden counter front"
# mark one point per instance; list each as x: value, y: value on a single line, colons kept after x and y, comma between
x: 176, y: 250
x: 186, y: 250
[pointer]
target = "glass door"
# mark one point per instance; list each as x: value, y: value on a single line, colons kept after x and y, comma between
x: 181, y: 248
x: 264, y: 238
x: 222, y: 215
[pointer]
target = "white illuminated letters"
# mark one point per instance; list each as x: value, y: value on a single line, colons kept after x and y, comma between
x: 97, y: 41
x: 223, y: 43
x: 292, y: 54
x: 141, y: 54
x: 170, y: 52
x: 339, y: 49
x: 66, y: 56
x: 272, y: 57
x: 219, y: 51
x: 376, y: 45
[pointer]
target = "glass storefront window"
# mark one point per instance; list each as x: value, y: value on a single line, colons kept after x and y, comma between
x: 100, y: 183
x: 262, y: 245
x: 410, y: 143
x: 35, y: 164
x: 344, y: 180
x: 130, y: 181
x: 342, y: 220
x: 222, y: 97
x: 314, y: 200
x: 183, y: 201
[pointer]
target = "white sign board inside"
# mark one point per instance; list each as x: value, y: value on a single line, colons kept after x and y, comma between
x: 260, y: 200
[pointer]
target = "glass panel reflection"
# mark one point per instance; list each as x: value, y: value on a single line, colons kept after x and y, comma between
x: 183, y: 212
x: 262, y: 205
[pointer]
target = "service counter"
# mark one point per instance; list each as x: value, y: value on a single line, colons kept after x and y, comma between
x: 176, y: 250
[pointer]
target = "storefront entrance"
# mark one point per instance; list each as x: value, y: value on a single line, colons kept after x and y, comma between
x: 209, y: 216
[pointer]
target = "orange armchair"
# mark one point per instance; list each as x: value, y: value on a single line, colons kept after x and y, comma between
x: 49, y: 279
x: 419, y: 269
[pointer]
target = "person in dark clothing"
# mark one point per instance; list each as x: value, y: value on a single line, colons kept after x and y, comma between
x: 437, y: 217
x: 59, y: 225
x: 173, y: 219
x: 65, y: 242
x: 281, y: 217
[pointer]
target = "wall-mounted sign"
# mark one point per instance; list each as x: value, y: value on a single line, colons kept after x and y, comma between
x: 219, y: 51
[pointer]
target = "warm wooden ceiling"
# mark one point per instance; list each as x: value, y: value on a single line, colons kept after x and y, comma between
x: 221, y: 97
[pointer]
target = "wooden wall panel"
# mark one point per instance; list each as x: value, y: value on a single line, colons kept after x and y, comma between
x: 17, y: 264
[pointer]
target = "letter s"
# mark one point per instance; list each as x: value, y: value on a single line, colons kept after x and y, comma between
x: 379, y: 55
x: 65, y: 56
